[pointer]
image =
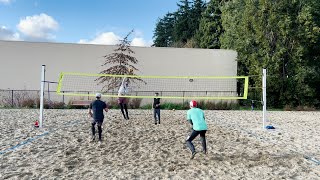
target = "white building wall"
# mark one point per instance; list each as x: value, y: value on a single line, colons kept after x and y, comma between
x: 20, y: 62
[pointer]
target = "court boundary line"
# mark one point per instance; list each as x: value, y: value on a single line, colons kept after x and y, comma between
x: 31, y: 139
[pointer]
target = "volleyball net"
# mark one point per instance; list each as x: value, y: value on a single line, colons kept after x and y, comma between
x: 174, y: 87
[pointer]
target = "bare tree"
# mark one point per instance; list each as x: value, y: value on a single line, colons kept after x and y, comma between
x: 120, y: 62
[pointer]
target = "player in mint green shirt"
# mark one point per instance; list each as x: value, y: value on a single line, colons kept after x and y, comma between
x: 199, y: 126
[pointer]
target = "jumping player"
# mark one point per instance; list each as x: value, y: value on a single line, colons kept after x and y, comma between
x: 122, y: 101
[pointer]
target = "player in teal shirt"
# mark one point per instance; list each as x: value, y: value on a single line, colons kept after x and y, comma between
x: 199, y: 126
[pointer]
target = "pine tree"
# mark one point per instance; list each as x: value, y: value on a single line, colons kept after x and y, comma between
x: 120, y: 62
x: 163, y: 33
x: 182, y: 26
x: 177, y: 29
x: 198, y: 7
x: 210, y: 28
x: 279, y: 36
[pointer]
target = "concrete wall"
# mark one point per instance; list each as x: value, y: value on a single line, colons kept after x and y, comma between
x: 20, y: 62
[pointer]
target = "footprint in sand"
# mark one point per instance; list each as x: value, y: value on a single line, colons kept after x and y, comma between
x: 105, y: 162
x: 23, y: 165
x: 69, y: 152
x: 25, y: 175
x: 57, y: 170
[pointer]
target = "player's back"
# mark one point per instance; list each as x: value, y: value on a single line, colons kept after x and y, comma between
x: 198, y: 119
x: 97, y: 107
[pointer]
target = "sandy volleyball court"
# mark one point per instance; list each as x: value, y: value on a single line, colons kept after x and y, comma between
x: 238, y: 148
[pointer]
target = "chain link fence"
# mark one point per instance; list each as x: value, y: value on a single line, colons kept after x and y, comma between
x: 31, y: 98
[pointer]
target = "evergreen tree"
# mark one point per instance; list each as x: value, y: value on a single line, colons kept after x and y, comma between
x: 177, y: 29
x: 163, y: 33
x: 278, y: 36
x: 210, y: 28
x: 182, y: 26
x: 282, y: 36
x: 120, y: 62
x: 198, y: 7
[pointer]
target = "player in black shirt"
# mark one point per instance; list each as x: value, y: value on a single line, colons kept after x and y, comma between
x: 96, y: 112
x: 156, y: 109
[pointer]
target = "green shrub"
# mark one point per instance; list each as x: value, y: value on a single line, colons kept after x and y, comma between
x: 185, y: 106
x: 171, y: 106
x: 305, y: 108
x: 113, y: 104
x: 28, y: 103
x: 147, y: 106
x: 219, y: 105
x: 234, y: 106
x: 210, y: 105
x: 46, y: 104
x: 225, y: 106
x: 287, y: 108
x: 201, y: 104
x: 135, y: 103
x: 57, y: 105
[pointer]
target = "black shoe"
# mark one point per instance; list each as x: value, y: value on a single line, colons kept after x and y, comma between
x: 204, y: 152
x: 155, y: 123
x: 193, y: 154
x: 93, y: 138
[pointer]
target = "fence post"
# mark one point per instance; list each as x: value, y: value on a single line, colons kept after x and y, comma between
x: 183, y: 97
x: 63, y: 97
x: 264, y: 97
x: 12, y: 98
x: 42, y: 84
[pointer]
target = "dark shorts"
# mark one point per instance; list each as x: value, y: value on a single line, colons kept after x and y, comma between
x: 195, y: 133
x: 122, y: 100
x: 97, y: 121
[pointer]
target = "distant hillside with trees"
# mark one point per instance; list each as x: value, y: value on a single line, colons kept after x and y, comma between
x: 282, y: 36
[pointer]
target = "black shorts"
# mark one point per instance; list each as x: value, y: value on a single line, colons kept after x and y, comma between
x: 97, y: 121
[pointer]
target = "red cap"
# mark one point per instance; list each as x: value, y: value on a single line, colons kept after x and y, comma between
x: 193, y: 103
x: 36, y: 124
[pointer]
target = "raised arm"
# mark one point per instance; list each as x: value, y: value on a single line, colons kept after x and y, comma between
x: 122, y: 88
x: 123, y: 81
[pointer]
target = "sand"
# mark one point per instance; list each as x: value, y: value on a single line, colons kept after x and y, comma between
x: 238, y: 147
